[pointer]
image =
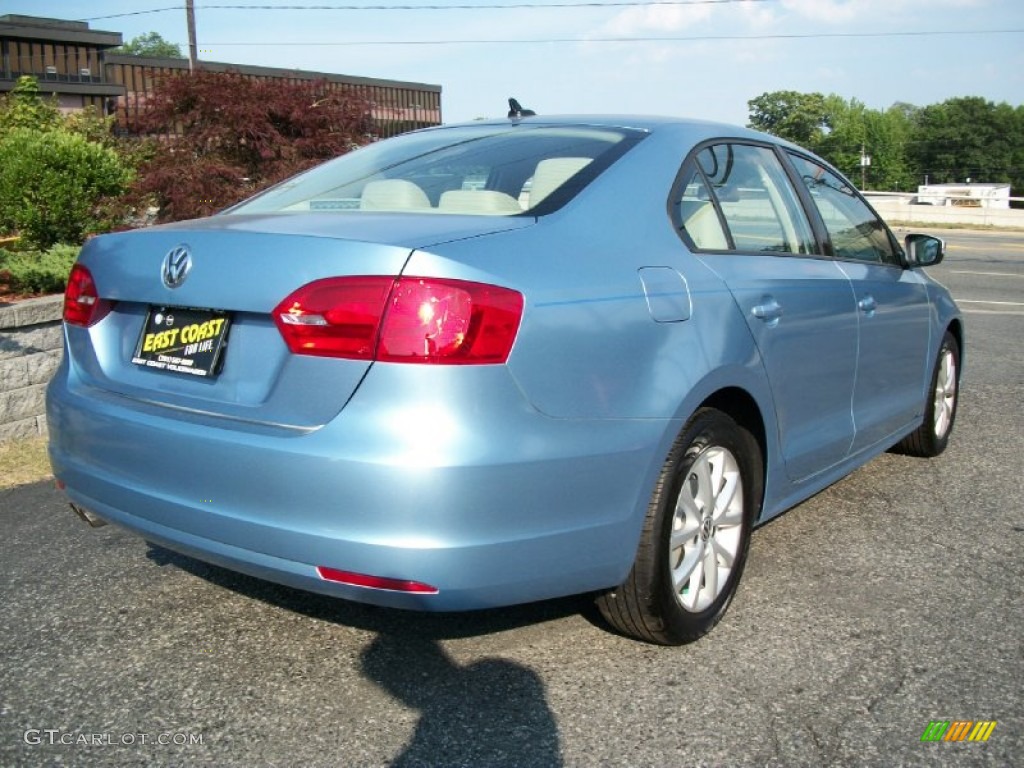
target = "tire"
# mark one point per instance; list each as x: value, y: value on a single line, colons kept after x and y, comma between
x: 930, y: 439
x: 702, y: 510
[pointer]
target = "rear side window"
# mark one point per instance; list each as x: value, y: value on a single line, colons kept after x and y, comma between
x: 855, y: 231
x: 700, y: 217
x: 754, y: 198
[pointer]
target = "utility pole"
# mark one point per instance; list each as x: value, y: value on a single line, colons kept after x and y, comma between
x: 190, y: 19
x: 865, y: 161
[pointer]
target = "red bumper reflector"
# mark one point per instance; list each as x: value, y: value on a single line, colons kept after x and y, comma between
x: 375, y: 582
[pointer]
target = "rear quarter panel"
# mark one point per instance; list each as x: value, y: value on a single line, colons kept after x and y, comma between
x: 588, y: 347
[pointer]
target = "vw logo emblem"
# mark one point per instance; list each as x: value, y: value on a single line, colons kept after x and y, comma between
x: 176, y: 266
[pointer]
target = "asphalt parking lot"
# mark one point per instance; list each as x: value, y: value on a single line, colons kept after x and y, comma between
x: 888, y: 601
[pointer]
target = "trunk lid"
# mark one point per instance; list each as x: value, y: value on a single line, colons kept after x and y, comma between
x: 242, y: 267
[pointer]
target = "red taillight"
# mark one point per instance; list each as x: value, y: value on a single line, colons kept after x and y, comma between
x: 375, y: 582
x: 336, y: 317
x: 406, y: 319
x: 449, y: 321
x: 82, y: 304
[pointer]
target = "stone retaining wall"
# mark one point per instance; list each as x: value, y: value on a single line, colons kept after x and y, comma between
x: 31, y: 340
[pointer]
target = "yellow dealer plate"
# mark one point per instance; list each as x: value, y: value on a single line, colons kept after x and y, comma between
x: 180, y: 340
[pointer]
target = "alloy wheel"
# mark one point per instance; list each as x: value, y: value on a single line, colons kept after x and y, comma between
x: 707, y: 528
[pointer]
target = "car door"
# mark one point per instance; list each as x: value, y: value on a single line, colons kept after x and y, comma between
x: 740, y: 213
x: 892, y: 309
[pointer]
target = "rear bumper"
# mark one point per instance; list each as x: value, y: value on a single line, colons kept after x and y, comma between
x: 503, y: 507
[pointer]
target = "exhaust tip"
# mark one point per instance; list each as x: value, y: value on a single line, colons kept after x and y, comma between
x: 90, y: 517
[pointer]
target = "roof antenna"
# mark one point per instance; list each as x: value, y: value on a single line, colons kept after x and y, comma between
x: 515, y: 109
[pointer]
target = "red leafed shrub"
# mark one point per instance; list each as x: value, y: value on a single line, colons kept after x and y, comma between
x: 224, y: 136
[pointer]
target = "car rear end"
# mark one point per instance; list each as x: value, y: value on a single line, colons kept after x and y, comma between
x: 277, y: 395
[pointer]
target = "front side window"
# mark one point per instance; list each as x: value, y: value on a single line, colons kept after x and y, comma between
x: 855, y: 231
x: 491, y: 170
x: 758, y: 204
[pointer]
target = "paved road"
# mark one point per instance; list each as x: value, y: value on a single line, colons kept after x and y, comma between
x: 887, y: 601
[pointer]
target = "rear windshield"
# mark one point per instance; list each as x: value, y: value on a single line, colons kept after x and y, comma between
x: 480, y: 170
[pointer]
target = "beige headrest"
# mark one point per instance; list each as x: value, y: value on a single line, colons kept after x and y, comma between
x: 553, y: 173
x: 478, y: 201
x: 393, y: 195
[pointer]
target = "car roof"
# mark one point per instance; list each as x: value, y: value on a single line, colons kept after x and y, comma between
x: 696, y: 128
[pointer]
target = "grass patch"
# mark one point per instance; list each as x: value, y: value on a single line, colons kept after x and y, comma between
x: 23, y: 461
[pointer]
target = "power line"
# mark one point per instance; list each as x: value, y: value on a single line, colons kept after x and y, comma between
x: 132, y: 13
x: 676, y: 39
x: 483, y: 6
x: 436, y: 6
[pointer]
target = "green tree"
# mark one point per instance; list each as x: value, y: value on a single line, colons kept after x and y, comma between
x: 57, y: 174
x: 150, y: 44
x: 798, y: 117
x: 959, y: 139
x: 53, y: 185
x: 969, y: 138
x: 887, y: 139
x: 90, y: 124
x: 882, y: 135
x: 1017, y: 181
x: 840, y: 131
x: 25, y: 107
x: 847, y: 133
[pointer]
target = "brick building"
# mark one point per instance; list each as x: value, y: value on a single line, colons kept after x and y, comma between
x: 74, y: 63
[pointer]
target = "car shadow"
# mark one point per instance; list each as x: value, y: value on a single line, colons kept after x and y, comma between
x: 491, y: 712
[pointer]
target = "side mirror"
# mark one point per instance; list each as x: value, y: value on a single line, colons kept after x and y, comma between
x: 924, y: 250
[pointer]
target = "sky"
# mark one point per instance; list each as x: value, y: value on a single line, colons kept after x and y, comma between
x: 696, y: 58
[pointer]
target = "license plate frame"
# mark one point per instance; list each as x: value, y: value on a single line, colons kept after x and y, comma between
x: 183, y: 340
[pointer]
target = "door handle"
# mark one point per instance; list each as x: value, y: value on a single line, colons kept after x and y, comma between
x: 868, y: 305
x: 770, y: 311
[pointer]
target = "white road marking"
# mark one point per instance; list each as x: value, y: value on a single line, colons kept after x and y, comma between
x: 992, y: 312
x: 972, y: 247
x: 997, y: 303
x: 990, y: 274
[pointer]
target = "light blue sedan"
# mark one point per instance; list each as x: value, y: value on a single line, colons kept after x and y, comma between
x: 494, y: 363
